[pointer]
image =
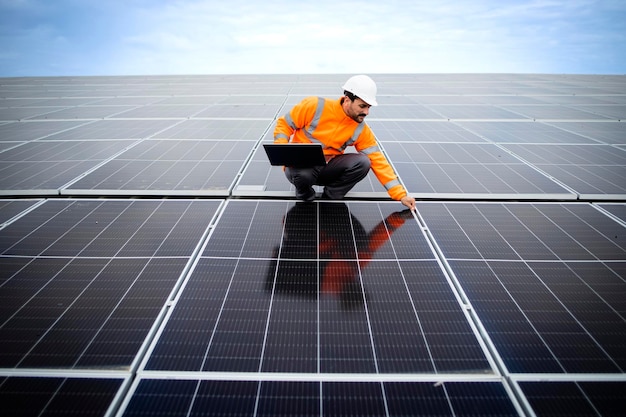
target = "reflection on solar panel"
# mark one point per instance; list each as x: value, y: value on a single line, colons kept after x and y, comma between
x: 153, y: 263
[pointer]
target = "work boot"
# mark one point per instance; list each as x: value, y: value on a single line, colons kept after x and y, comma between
x: 306, y: 196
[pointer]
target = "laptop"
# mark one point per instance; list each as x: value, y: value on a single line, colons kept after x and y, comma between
x: 301, y: 155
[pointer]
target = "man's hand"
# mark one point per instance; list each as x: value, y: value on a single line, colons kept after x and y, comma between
x: 409, y: 202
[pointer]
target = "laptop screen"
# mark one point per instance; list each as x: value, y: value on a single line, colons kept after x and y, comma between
x: 302, y: 155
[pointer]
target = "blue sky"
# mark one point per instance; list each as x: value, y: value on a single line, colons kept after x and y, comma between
x: 146, y: 37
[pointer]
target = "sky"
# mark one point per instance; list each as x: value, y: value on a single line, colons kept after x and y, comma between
x: 157, y: 37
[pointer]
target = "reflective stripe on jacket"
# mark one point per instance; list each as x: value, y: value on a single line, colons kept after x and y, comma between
x: 320, y: 120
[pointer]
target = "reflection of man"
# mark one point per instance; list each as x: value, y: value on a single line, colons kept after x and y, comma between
x: 337, y: 124
x: 336, y: 243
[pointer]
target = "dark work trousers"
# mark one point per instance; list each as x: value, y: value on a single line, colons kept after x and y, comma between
x: 338, y: 176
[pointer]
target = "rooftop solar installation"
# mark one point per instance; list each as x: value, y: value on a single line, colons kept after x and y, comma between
x: 153, y: 263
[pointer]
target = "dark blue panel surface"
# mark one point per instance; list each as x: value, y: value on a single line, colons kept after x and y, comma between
x: 87, y: 313
x: 109, y: 228
x: 291, y: 344
x: 11, y: 208
x: 156, y: 398
x: 524, y: 231
x: 534, y: 329
x: 576, y: 399
x: 31, y: 396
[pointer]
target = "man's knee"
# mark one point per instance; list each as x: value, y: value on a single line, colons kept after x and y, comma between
x: 362, y: 163
x: 300, y: 177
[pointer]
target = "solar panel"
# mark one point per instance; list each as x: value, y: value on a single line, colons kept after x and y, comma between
x: 480, y: 112
x: 521, y: 268
x: 407, y: 111
x: 83, y: 112
x: 113, y: 129
x: 25, y: 131
x: 268, y: 290
x: 269, y: 398
x: 12, y: 208
x: 153, y: 263
x: 215, y: 129
x: 50, y: 165
x: 421, y: 131
x: 30, y: 396
x: 545, y: 112
x: 83, y: 281
x: 188, y: 167
x: 523, y: 132
x: 481, y: 170
x: 618, y: 210
x: 609, y: 133
x: 584, y: 398
x: 594, y: 171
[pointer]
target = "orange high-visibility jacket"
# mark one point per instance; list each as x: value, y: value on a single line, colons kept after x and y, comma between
x: 322, y: 120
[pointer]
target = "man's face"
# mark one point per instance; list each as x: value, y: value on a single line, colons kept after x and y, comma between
x: 357, y: 109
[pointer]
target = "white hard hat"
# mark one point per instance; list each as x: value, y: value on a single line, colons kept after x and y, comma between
x: 363, y: 87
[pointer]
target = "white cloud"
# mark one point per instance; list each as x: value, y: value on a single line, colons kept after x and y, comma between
x: 281, y: 36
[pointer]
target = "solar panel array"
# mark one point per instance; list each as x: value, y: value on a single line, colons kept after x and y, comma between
x: 153, y: 263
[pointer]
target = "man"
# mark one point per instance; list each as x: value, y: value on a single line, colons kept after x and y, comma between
x: 337, y: 124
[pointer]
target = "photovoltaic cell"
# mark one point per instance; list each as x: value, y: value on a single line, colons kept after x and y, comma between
x: 301, y: 398
x: 460, y: 169
x: 613, y: 111
x: 162, y: 111
x: 618, y: 210
x: 577, y: 399
x: 543, y: 315
x: 63, y: 151
x: 21, y: 113
x: 185, y: 166
x: 215, y: 129
x: 523, y: 231
x: 523, y: 132
x: 83, y: 112
x: 269, y: 307
x: 539, y: 112
x: 24, y: 396
x: 250, y: 111
x: 114, y: 129
x: 41, y: 176
x: 83, y: 281
x: 406, y: 111
x: 476, y: 112
x: 89, y: 313
x: 594, y: 169
x: 609, y: 133
x: 309, y: 298
x: 12, y: 208
x: 26, y: 131
x: 538, y: 329
x: 108, y: 228
x: 420, y: 131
